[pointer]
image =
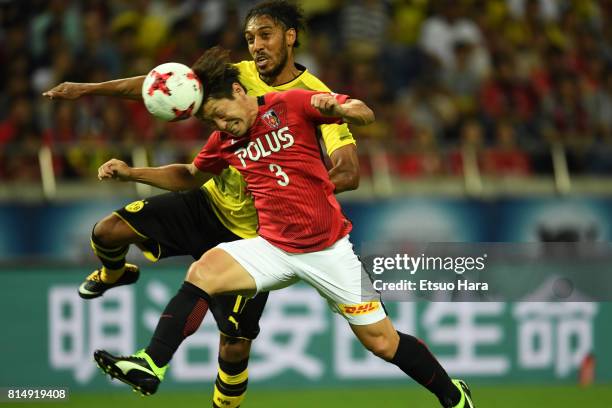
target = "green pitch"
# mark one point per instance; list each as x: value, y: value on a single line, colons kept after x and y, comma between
x: 484, y: 397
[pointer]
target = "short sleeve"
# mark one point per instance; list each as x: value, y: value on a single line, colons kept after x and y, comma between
x: 210, y: 159
x: 336, y: 136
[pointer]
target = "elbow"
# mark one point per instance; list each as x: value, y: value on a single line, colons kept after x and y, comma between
x: 369, y: 117
x: 352, y: 180
x: 348, y: 182
x: 360, y: 113
x: 191, y: 177
x: 365, y: 118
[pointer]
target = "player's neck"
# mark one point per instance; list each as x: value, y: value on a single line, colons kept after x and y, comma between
x: 288, y: 74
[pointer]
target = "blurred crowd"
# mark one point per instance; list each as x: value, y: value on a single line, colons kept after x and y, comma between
x: 504, y: 79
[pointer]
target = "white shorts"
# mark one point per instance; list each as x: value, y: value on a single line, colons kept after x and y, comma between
x: 335, y: 272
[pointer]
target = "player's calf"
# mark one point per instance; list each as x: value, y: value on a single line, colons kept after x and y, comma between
x: 234, y: 349
x: 181, y: 318
x: 232, y: 376
x: 380, y: 338
x: 412, y: 357
x: 111, y: 253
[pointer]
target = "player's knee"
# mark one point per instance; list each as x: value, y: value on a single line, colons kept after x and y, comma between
x: 201, y: 275
x: 381, y: 346
x: 216, y: 273
x: 196, y: 272
x: 106, y: 231
x: 234, y: 350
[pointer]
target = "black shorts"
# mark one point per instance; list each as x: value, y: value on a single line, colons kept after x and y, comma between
x: 185, y: 224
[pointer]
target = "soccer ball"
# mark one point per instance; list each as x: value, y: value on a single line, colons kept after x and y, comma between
x: 172, y: 91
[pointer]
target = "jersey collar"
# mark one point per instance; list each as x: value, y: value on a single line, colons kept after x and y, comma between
x: 302, y: 70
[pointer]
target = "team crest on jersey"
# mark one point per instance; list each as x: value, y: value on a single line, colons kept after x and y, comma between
x: 271, y: 119
x: 135, y: 206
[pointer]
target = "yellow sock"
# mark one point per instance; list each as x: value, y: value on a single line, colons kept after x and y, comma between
x: 111, y: 275
x: 220, y: 400
x: 230, y: 390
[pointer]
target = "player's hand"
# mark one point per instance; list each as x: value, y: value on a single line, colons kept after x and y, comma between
x: 327, y: 104
x: 114, y: 169
x: 66, y: 90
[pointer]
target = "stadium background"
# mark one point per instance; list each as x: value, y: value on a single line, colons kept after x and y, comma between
x: 495, y: 127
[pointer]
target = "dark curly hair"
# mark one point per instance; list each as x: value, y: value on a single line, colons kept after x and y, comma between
x: 216, y: 73
x: 282, y: 12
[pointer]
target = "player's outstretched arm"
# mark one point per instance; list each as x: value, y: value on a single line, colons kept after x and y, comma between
x: 129, y: 88
x: 173, y: 177
x: 345, y: 171
x: 353, y: 111
x: 356, y: 112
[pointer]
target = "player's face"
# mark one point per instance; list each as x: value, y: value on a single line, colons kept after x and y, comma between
x: 267, y: 41
x: 227, y: 115
x: 230, y: 115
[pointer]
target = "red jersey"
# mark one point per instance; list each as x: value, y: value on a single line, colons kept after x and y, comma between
x: 280, y: 160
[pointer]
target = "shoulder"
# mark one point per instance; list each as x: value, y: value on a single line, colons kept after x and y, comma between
x: 292, y: 95
x: 292, y: 98
x: 247, y: 73
x: 218, y: 143
x: 214, y: 139
x: 245, y: 67
x: 215, y: 135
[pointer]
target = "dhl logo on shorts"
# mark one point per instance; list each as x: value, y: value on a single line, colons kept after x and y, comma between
x: 361, y: 308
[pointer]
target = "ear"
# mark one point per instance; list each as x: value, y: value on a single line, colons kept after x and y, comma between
x: 237, y: 89
x: 290, y: 36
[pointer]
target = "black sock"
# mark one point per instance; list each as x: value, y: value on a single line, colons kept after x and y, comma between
x: 231, y: 384
x: 414, y: 358
x: 111, y: 258
x: 180, y: 319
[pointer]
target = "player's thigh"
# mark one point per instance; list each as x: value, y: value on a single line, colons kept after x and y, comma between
x: 339, y: 276
x: 218, y: 273
x: 380, y: 337
x: 174, y: 224
x: 238, y: 316
x: 269, y: 266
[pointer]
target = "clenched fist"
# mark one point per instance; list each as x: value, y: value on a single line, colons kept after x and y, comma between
x: 327, y: 104
x: 114, y: 169
x: 66, y: 90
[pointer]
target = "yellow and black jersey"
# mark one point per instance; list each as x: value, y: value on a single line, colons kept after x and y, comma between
x: 231, y: 202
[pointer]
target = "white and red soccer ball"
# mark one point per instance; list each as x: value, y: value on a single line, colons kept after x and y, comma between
x: 171, y: 91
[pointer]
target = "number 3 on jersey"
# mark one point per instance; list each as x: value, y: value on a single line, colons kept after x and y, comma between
x: 278, y: 171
